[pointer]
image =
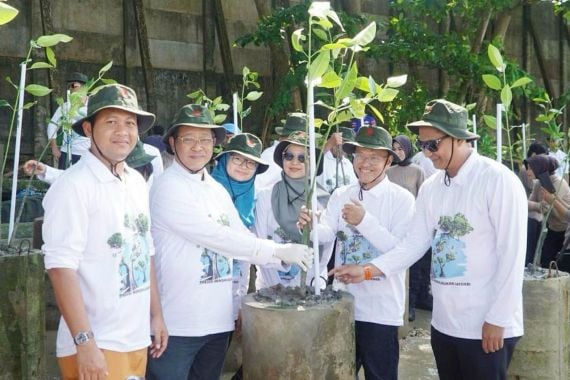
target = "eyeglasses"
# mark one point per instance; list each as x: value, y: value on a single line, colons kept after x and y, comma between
x: 288, y: 156
x: 431, y: 145
x: 241, y: 161
x: 191, y: 141
x: 374, y: 160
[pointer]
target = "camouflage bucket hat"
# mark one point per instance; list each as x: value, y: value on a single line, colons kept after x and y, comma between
x: 296, y: 138
x: 347, y: 134
x: 138, y: 156
x: 193, y: 115
x: 115, y: 96
x: 76, y: 77
x: 296, y: 121
x: 447, y: 117
x: 249, y: 146
x: 372, y: 138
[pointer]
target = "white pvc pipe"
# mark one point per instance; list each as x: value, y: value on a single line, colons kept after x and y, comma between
x: 523, y: 126
x: 475, y: 131
x: 313, y: 181
x: 499, y: 133
x: 235, y: 102
x: 17, y: 150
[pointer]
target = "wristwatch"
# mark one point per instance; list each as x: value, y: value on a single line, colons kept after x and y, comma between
x: 83, y: 337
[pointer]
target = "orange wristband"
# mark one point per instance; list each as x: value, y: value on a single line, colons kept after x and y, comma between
x: 367, y: 273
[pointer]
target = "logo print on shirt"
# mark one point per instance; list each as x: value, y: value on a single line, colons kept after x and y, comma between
x: 215, y: 267
x: 448, y: 251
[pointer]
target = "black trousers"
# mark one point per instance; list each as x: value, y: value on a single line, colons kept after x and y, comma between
x: 464, y: 359
x: 377, y: 350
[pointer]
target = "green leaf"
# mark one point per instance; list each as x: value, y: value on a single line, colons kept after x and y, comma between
x: 296, y: 39
x: 470, y: 106
x: 50, y: 55
x: 321, y: 34
x: 245, y: 71
x: 37, y: 90
x: 4, y: 103
x: 387, y: 95
x: 332, y: 46
x: 521, y: 82
x: 362, y: 84
x: 216, y: 101
x: 320, y: 65
x: 239, y: 105
x: 333, y: 16
x: 7, y: 13
x: 246, y: 112
x: 52, y: 40
x: 506, y: 96
x: 108, y: 81
x: 398, y: 81
x: 29, y: 105
x: 496, y: 58
x: 330, y: 80
x: 348, y: 82
x: 9, y: 80
x: 40, y: 65
x: 376, y: 112
x: 372, y: 85
x: 490, y: 121
x: 492, y: 81
x: 219, y: 119
x: 325, y: 23
x: 545, y: 118
x: 253, y: 95
x: 366, y: 35
x: 223, y: 107
x: 105, y: 68
x: 358, y: 107
x: 195, y: 94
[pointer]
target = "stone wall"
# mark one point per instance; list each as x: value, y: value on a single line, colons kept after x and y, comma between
x: 103, y: 31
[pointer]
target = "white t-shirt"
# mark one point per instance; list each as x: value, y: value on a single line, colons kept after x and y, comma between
x: 476, y: 227
x: 273, y: 174
x: 266, y: 227
x: 389, y: 208
x: 98, y: 225
x: 328, y: 179
x: 425, y: 163
x: 79, y: 144
x: 197, y: 231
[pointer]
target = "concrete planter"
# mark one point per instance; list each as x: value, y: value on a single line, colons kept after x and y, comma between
x: 22, y: 326
x: 313, y: 342
x: 543, y: 351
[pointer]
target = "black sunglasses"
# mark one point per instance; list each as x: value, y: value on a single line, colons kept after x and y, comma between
x: 431, y: 145
x: 288, y: 156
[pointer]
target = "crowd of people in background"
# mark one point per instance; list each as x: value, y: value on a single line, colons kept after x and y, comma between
x: 161, y: 233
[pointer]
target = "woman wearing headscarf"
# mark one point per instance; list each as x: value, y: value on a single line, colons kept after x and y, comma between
x: 411, y: 176
x: 542, y: 169
x: 278, y: 209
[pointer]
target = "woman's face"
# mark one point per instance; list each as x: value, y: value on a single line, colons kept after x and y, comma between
x: 294, y: 161
x: 240, y: 168
x: 400, y: 152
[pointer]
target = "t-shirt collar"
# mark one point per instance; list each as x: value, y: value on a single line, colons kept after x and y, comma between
x: 464, y: 173
x: 100, y: 169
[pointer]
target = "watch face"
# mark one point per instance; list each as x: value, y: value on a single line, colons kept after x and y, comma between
x: 82, y: 338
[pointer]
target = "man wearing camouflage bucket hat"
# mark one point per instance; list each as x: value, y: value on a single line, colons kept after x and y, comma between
x: 197, y: 231
x: 369, y: 218
x: 73, y: 145
x: 98, y: 249
x: 473, y: 213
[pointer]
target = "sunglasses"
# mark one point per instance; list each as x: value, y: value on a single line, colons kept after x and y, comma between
x: 288, y: 156
x: 431, y: 145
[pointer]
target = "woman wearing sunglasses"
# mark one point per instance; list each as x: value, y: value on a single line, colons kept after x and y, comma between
x: 278, y: 209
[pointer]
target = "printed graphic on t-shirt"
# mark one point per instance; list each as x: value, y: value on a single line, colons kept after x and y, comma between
x: 448, y: 251
x: 131, y: 247
x: 215, y: 267
x: 354, y: 248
